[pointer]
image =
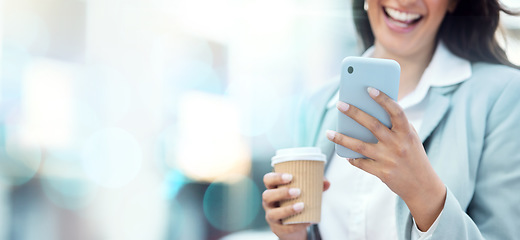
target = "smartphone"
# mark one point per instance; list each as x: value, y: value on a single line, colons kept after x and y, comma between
x: 357, y: 74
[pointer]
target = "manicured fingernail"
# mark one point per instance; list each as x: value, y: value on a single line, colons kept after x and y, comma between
x: 298, y: 207
x: 331, y: 134
x: 294, y: 192
x: 373, y: 92
x: 286, y: 177
x: 342, y: 106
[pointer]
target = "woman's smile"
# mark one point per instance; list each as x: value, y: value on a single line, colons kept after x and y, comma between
x: 401, y: 21
x: 406, y: 28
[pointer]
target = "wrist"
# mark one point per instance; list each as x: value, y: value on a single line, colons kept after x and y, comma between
x: 426, y: 205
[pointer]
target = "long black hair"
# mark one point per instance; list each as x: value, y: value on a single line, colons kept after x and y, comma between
x: 468, y: 31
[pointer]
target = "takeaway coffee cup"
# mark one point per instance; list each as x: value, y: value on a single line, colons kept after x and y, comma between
x: 306, y: 164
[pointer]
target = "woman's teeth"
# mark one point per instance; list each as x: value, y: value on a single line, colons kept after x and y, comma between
x: 402, y: 16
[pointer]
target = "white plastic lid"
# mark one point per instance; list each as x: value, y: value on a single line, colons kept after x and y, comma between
x: 295, y: 154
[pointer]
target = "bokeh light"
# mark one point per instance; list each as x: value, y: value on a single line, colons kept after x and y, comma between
x: 214, y: 19
x: 133, y: 216
x: 210, y: 144
x: 232, y: 204
x: 47, y: 88
x: 34, y: 34
x: 107, y: 91
x: 177, y: 222
x: 284, y: 133
x: 69, y: 193
x: 180, y: 48
x: 14, y: 59
x: 87, y: 120
x: 111, y: 157
x: 194, y: 75
x: 166, y: 147
x: 19, y: 162
x: 258, y: 103
x: 281, y: 16
x: 180, y: 64
x: 63, y: 180
x: 175, y: 180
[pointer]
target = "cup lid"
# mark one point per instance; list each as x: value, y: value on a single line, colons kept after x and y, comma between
x: 300, y: 153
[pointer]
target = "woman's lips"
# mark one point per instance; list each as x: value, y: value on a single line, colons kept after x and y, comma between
x: 402, y: 22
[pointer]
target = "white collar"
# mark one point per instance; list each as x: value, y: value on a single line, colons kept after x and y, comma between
x: 445, y: 69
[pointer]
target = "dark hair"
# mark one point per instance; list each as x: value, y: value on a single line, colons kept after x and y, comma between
x: 468, y: 31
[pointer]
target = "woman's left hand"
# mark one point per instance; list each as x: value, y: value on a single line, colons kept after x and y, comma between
x: 398, y: 159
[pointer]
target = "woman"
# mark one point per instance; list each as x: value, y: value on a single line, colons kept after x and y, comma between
x: 458, y: 175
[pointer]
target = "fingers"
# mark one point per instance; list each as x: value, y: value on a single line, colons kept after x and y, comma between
x: 379, y: 130
x: 396, y: 113
x: 326, y: 184
x: 273, y: 180
x: 275, y: 194
x: 275, y: 215
x: 365, y: 164
x: 271, y: 197
x: 367, y: 149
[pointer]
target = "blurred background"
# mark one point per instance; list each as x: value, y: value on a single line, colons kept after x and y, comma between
x: 157, y: 119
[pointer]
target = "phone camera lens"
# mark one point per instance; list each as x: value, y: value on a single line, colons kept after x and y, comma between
x: 350, y: 69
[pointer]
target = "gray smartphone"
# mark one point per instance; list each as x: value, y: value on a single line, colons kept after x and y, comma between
x: 357, y: 74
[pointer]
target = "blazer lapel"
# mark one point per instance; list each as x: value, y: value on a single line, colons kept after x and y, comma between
x: 439, y: 103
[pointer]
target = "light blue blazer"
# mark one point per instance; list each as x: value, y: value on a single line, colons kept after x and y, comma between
x: 471, y: 133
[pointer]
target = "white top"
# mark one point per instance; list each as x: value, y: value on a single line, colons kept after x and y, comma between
x: 359, y: 206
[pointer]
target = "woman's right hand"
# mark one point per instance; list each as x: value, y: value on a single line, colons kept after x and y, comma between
x: 274, y: 214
